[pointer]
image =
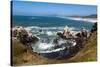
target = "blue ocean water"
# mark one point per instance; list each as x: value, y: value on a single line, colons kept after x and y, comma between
x: 45, y: 21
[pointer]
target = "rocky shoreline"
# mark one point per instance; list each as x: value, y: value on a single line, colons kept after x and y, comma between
x: 61, y: 46
x: 28, y: 56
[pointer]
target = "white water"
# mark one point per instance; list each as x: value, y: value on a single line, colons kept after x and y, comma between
x: 48, y: 30
x: 40, y: 47
x: 92, y: 20
x: 43, y: 46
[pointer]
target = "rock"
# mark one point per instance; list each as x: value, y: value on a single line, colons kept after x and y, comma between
x: 61, y: 35
x: 94, y: 28
x: 34, y: 39
x: 23, y: 36
x: 55, y: 41
x: 78, y: 35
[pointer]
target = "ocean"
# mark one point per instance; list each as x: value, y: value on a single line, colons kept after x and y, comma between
x: 47, y: 23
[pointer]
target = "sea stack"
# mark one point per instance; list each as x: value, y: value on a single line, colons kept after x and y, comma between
x: 23, y: 35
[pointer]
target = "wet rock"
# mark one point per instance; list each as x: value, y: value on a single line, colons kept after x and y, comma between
x: 78, y: 35
x: 61, y: 35
x: 55, y: 41
x: 34, y: 39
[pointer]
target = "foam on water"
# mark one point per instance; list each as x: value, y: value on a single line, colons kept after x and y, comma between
x: 49, y: 33
x: 91, y: 20
x: 47, y: 30
x: 45, y: 46
x: 49, y: 47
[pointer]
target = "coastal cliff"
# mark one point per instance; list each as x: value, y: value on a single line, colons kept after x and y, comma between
x: 22, y: 55
x: 89, y: 52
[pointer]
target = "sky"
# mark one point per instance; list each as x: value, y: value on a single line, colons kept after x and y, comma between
x: 51, y: 9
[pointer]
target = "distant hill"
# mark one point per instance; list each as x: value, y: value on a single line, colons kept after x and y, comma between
x: 91, y: 16
x: 88, y: 16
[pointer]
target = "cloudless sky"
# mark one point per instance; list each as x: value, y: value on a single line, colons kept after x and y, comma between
x: 51, y: 9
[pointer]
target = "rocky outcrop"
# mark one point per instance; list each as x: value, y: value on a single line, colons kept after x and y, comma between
x: 23, y: 36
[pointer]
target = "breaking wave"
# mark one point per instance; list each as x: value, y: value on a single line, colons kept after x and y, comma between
x: 48, y: 30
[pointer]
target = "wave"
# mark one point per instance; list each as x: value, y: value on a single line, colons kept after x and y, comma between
x: 49, y: 47
x: 46, y: 47
x: 45, y: 28
x: 33, y: 17
x: 49, y: 28
x: 92, y: 20
x: 49, y: 31
x: 62, y: 17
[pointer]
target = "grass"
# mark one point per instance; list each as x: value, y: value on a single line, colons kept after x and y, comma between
x: 17, y: 48
x: 23, y: 56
